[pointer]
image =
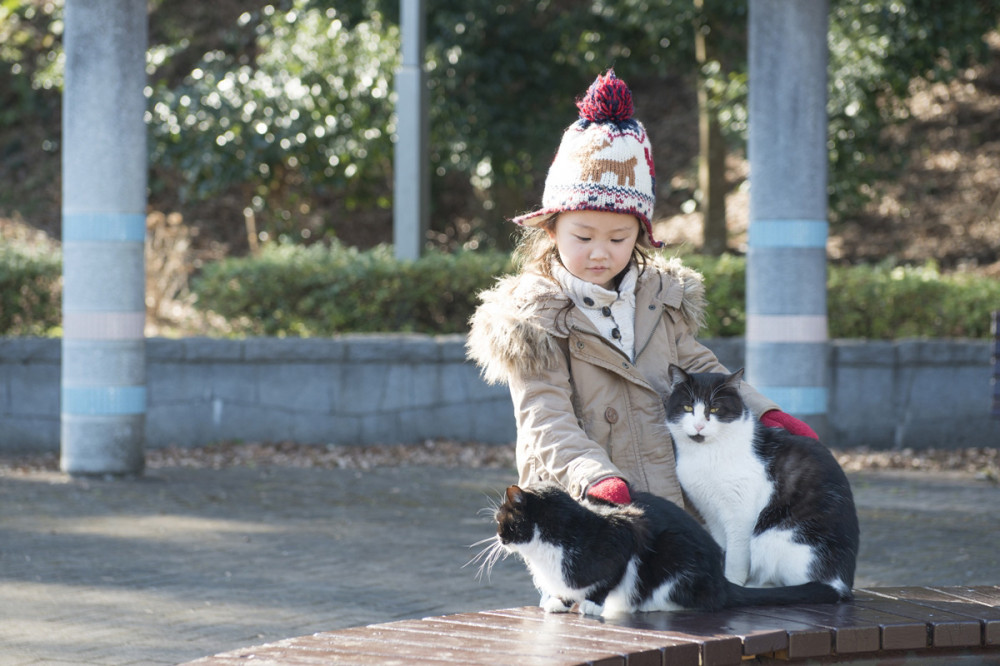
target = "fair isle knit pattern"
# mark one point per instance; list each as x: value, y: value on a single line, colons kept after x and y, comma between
x: 604, y: 162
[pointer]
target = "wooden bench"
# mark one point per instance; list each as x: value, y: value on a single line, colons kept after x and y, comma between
x: 918, y: 625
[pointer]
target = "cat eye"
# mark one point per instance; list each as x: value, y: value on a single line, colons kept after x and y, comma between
x: 688, y: 408
x: 714, y: 410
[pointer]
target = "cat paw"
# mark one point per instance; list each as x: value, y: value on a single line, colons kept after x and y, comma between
x: 555, y: 605
x: 588, y: 607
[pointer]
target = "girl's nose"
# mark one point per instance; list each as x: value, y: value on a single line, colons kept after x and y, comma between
x: 598, y: 251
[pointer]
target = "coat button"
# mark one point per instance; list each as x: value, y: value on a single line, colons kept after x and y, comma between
x: 606, y: 311
x: 580, y: 345
x: 616, y: 334
x: 611, y: 415
x: 588, y: 301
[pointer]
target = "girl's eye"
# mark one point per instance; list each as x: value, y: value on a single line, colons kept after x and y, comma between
x: 582, y: 239
x: 688, y: 408
x: 617, y: 240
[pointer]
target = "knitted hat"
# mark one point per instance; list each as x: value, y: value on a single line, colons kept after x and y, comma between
x: 604, y: 162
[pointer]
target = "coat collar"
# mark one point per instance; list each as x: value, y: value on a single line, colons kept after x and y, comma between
x: 517, y: 327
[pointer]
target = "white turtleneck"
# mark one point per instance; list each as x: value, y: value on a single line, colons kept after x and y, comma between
x: 612, y: 312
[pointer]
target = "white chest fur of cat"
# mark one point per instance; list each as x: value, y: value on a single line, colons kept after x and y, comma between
x: 729, y: 486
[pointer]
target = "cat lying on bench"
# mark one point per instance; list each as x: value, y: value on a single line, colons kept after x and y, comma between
x: 646, y: 556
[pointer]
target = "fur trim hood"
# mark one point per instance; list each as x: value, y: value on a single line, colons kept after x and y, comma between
x: 518, y: 326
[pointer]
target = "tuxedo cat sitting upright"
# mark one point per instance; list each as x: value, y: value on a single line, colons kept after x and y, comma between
x: 646, y: 556
x: 778, y: 504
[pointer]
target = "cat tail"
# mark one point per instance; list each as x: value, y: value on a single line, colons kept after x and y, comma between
x: 807, y: 593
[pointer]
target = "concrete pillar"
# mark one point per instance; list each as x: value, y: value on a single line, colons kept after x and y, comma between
x: 787, y: 339
x: 103, y: 410
x: 411, y: 198
x: 995, y: 358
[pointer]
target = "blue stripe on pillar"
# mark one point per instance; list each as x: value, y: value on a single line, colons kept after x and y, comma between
x: 103, y: 400
x: 126, y: 227
x: 797, y: 399
x: 787, y: 233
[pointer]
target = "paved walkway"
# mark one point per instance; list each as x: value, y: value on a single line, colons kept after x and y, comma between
x: 185, y: 563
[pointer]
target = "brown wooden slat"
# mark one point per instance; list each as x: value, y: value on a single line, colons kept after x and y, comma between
x: 710, y: 650
x: 853, y: 630
x: 392, y: 641
x: 986, y: 603
x: 984, y: 594
x: 717, y: 649
x: 805, y: 638
x: 756, y: 637
x: 379, y: 643
x: 896, y: 632
x: 988, y: 617
x: 946, y: 629
x: 535, y: 623
x: 510, y: 641
x: 672, y: 651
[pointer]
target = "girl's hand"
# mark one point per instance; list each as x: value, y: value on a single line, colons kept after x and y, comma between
x: 779, y: 419
x: 611, y: 489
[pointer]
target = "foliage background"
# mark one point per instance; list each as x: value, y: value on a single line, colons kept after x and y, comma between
x: 284, y: 110
x: 272, y: 123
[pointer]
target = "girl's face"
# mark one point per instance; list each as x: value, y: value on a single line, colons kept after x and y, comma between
x: 595, y: 246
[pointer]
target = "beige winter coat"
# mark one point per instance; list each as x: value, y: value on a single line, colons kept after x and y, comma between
x: 584, y: 410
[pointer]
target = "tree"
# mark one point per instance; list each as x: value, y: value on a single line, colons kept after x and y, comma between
x: 285, y: 108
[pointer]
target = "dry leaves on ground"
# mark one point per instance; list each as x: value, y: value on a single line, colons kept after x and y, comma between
x: 983, y: 462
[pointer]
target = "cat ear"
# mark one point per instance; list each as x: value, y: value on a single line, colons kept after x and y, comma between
x: 735, y: 378
x: 676, y: 375
x: 515, y: 495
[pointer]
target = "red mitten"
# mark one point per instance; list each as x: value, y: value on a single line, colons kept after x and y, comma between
x: 611, y: 489
x: 779, y: 419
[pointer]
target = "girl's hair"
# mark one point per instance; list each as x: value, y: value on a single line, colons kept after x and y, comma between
x: 536, y: 250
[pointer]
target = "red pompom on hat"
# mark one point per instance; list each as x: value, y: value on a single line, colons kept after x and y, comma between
x: 604, y: 161
x: 608, y: 100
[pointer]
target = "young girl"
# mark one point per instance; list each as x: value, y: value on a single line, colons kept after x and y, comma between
x: 585, y: 333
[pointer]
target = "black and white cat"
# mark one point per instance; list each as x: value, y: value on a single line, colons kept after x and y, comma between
x: 607, y: 558
x: 778, y: 504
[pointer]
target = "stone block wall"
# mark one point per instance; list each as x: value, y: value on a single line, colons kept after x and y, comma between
x: 399, y: 388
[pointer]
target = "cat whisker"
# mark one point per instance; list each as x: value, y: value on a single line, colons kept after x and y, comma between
x: 490, y: 539
x: 488, y: 556
x: 494, y: 506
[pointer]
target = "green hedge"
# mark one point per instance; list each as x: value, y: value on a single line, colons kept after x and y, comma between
x: 877, y: 302
x: 312, y: 291
x: 324, y: 290
x: 321, y: 291
x: 30, y: 290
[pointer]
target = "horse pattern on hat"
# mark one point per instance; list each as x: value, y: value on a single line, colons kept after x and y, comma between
x: 594, y: 167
